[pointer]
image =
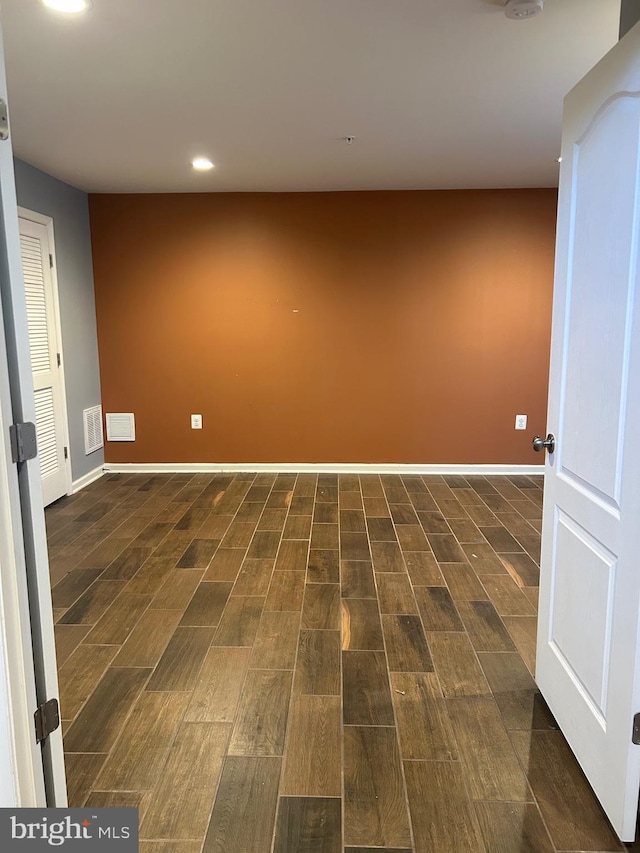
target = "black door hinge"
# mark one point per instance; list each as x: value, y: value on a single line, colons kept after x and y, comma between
x: 4, y: 120
x: 23, y: 442
x: 66, y: 453
x: 59, y: 359
x: 635, y: 734
x: 51, y: 261
x: 47, y: 719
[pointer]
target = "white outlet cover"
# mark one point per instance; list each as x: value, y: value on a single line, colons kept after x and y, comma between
x: 521, y: 421
x: 196, y: 421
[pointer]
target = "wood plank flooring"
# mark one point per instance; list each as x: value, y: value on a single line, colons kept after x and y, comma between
x: 312, y: 664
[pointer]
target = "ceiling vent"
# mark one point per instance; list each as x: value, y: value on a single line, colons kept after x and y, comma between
x: 521, y: 10
x: 121, y: 426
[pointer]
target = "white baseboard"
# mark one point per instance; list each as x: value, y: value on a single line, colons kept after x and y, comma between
x: 87, y: 478
x: 316, y: 468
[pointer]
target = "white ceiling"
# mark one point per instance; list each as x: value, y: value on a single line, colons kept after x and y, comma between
x: 438, y: 93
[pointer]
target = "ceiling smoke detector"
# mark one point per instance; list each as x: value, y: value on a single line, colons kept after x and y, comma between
x: 520, y: 10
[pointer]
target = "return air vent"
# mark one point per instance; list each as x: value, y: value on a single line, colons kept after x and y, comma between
x: 93, y: 439
x: 121, y: 426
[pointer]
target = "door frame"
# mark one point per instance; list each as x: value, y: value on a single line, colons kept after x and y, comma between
x: 47, y: 222
x: 27, y: 536
x: 21, y: 769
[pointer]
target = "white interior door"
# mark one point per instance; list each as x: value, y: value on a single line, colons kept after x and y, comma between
x: 588, y: 659
x: 36, y: 254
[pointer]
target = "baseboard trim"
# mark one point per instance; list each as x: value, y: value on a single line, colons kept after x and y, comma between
x: 86, y: 479
x: 316, y: 468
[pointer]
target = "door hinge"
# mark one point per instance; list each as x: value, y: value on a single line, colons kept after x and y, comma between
x: 51, y: 261
x: 66, y: 453
x: 4, y: 120
x: 23, y: 442
x: 59, y: 359
x: 635, y: 734
x: 47, y: 719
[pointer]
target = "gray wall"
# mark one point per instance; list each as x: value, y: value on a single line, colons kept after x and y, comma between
x: 629, y: 15
x: 68, y: 207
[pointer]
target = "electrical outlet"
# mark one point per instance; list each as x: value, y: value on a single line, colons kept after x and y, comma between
x: 521, y: 421
x: 196, y: 421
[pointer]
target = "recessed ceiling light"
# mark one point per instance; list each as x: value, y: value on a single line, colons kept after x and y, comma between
x: 68, y: 6
x: 202, y: 164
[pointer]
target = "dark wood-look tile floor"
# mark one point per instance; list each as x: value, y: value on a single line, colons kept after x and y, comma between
x: 312, y: 664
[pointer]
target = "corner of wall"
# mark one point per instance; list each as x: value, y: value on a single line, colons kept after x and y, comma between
x: 69, y: 210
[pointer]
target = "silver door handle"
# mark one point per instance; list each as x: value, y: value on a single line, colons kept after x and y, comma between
x: 548, y: 443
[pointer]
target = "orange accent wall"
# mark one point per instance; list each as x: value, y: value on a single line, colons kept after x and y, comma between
x: 406, y: 327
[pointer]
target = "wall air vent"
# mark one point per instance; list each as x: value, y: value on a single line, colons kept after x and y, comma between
x: 121, y: 426
x: 93, y: 438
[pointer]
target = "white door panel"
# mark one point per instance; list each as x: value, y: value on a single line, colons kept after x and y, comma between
x: 44, y: 348
x: 588, y: 633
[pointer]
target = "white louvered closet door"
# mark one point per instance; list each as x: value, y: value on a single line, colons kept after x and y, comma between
x: 43, y: 344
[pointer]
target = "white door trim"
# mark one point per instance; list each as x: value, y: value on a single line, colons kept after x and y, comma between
x: 47, y: 222
x: 22, y: 780
x: 21, y: 772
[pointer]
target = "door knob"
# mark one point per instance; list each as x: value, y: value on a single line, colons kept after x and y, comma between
x: 548, y: 443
